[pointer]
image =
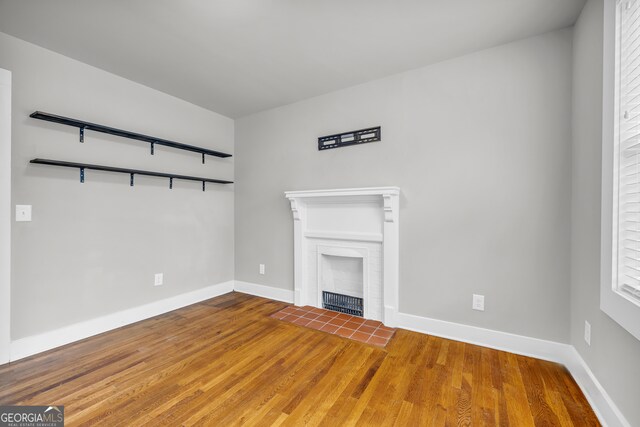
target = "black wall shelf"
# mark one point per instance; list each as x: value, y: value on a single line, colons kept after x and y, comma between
x: 131, y: 172
x: 84, y: 125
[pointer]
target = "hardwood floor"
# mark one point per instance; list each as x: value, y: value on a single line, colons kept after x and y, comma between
x: 225, y: 362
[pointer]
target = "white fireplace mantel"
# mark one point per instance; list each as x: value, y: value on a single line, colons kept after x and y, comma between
x: 351, y: 216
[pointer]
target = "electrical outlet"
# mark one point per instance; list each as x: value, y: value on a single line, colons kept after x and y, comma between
x: 159, y: 279
x: 261, y: 268
x: 23, y: 213
x: 478, y: 302
x: 587, y: 332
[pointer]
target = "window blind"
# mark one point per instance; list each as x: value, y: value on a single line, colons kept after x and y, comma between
x: 628, y: 152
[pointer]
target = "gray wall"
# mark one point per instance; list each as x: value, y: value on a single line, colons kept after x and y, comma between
x: 480, y: 146
x: 93, y: 248
x: 5, y: 215
x: 614, y: 353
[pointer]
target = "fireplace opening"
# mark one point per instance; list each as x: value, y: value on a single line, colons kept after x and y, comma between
x: 343, y: 303
x: 342, y: 282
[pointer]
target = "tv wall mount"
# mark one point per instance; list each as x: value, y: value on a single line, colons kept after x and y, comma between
x: 344, y: 139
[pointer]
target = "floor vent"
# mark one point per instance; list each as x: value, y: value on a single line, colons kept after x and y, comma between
x: 343, y: 303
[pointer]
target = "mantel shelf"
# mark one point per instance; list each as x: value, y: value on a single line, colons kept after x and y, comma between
x: 84, y: 125
x: 131, y: 172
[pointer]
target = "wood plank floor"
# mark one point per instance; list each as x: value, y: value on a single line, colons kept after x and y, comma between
x: 224, y: 362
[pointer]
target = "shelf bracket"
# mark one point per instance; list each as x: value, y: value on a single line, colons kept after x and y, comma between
x: 82, y: 175
x: 203, y: 158
x: 131, y: 180
x: 170, y: 183
x: 152, y: 147
x: 203, y: 182
x: 82, y: 134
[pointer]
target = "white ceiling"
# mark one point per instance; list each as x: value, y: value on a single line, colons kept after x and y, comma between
x: 237, y: 57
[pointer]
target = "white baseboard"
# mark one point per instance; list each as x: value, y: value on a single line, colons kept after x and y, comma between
x: 278, y: 294
x: 29, y: 346
x: 526, y: 346
x: 607, y: 412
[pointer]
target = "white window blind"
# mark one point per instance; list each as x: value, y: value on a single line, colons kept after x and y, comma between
x: 628, y: 148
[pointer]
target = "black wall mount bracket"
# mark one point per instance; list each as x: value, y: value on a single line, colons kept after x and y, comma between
x: 350, y: 138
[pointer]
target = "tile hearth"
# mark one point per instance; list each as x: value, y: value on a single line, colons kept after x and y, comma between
x: 356, y: 328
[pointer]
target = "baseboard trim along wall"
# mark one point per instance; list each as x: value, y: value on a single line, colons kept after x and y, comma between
x: 606, y: 410
x: 278, y: 294
x: 565, y: 354
x: 29, y: 346
x: 526, y: 346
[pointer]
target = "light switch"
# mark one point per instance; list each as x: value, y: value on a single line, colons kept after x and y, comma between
x: 23, y: 213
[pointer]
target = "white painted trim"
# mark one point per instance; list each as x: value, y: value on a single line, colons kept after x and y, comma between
x: 602, y: 404
x: 5, y: 216
x: 344, y: 192
x: 28, y: 346
x: 526, y: 346
x: 339, y: 235
x: 278, y: 294
x: 605, y: 409
x: 616, y: 305
x: 302, y: 201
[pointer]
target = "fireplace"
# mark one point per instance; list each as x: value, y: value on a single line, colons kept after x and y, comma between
x: 346, y: 250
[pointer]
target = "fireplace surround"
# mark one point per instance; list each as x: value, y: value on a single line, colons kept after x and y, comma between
x: 332, y: 227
